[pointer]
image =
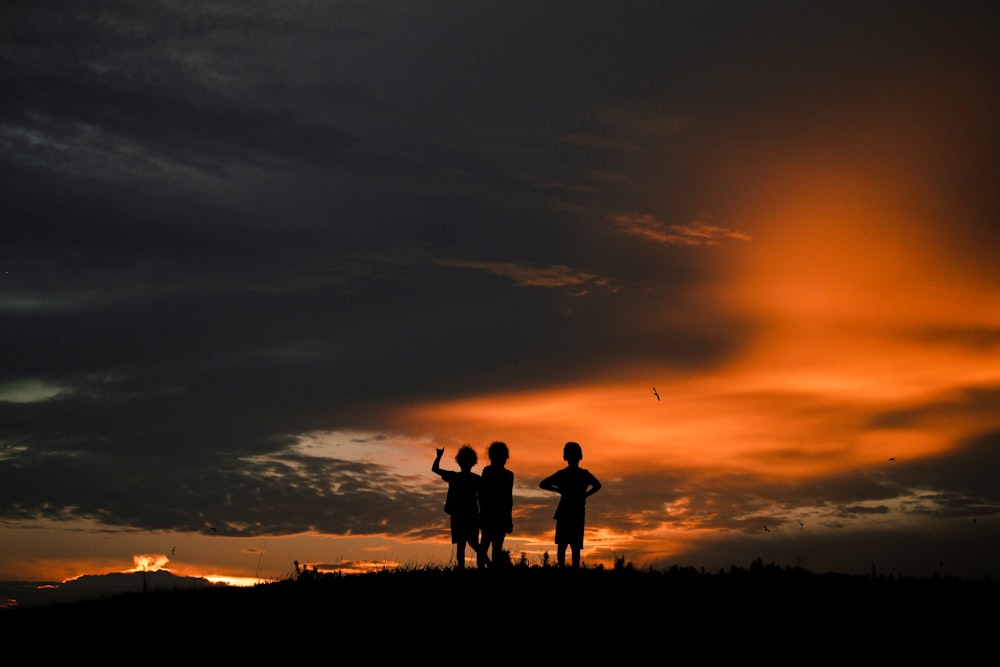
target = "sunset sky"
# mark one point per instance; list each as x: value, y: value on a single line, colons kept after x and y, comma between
x: 259, y: 259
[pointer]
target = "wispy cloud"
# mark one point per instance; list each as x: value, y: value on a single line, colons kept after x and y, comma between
x: 536, y: 276
x: 651, y: 228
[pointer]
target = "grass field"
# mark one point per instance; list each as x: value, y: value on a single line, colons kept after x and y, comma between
x: 544, y: 614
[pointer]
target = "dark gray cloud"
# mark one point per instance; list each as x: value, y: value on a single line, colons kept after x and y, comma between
x: 228, y: 226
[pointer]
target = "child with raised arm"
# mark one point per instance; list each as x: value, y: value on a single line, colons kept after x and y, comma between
x: 574, y: 485
x: 496, y: 503
x: 462, y: 503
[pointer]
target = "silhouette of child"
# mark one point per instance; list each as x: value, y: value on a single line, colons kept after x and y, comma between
x: 496, y: 503
x: 462, y: 503
x: 574, y: 485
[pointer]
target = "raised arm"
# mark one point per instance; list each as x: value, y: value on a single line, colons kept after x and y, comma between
x: 436, y: 467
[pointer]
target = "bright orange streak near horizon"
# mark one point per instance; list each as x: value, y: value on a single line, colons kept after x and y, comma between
x: 625, y: 432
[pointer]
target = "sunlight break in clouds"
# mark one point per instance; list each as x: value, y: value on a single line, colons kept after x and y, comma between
x: 29, y: 391
x: 148, y: 562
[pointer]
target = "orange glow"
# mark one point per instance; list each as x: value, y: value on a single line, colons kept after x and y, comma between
x: 233, y: 581
x: 743, y: 421
x: 846, y: 280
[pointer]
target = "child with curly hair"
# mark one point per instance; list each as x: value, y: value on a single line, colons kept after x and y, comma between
x: 462, y: 503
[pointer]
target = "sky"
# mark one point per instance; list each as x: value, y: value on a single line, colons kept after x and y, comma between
x: 259, y: 260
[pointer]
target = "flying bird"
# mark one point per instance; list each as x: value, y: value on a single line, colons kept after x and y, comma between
x: 172, y: 550
x: 766, y: 529
x: 801, y: 525
x: 656, y: 394
x: 212, y: 528
x: 892, y: 458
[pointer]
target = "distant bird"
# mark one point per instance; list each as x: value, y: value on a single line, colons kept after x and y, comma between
x: 656, y: 394
x: 892, y: 458
x: 172, y: 550
x: 212, y: 528
x: 766, y: 529
x: 801, y: 525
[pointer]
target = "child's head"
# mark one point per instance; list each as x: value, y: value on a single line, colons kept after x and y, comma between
x: 572, y: 452
x: 466, y: 457
x: 498, y: 453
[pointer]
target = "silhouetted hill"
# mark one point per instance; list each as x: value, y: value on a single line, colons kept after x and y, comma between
x: 553, y: 613
x: 96, y: 586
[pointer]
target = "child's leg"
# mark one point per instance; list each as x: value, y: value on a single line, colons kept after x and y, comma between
x: 561, y: 555
x: 482, y: 560
x: 501, y: 553
x: 576, y: 557
x: 498, y: 550
x: 460, y: 555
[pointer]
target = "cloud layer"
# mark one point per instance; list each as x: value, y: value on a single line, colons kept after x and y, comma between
x: 258, y: 261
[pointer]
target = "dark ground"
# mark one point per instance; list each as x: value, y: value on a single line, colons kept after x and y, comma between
x: 780, y: 615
